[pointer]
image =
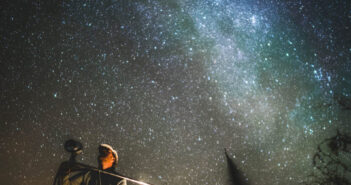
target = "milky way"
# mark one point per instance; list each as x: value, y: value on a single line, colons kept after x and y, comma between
x: 171, y: 84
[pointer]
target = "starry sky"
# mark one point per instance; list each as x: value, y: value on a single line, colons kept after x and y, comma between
x: 170, y: 84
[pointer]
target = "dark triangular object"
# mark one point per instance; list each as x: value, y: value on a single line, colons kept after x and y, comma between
x: 235, y: 175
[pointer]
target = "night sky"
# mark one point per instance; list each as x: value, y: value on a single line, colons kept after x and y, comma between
x: 170, y: 84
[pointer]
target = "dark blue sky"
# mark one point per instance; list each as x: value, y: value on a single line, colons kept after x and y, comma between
x: 170, y: 84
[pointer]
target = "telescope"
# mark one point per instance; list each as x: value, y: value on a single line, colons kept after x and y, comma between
x: 71, y: 172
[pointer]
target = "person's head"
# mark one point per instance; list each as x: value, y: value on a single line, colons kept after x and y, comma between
x: 107, y: 157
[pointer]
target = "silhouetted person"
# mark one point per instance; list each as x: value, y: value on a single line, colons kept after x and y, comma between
x: 73, y: 173
x: 70, y: 172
